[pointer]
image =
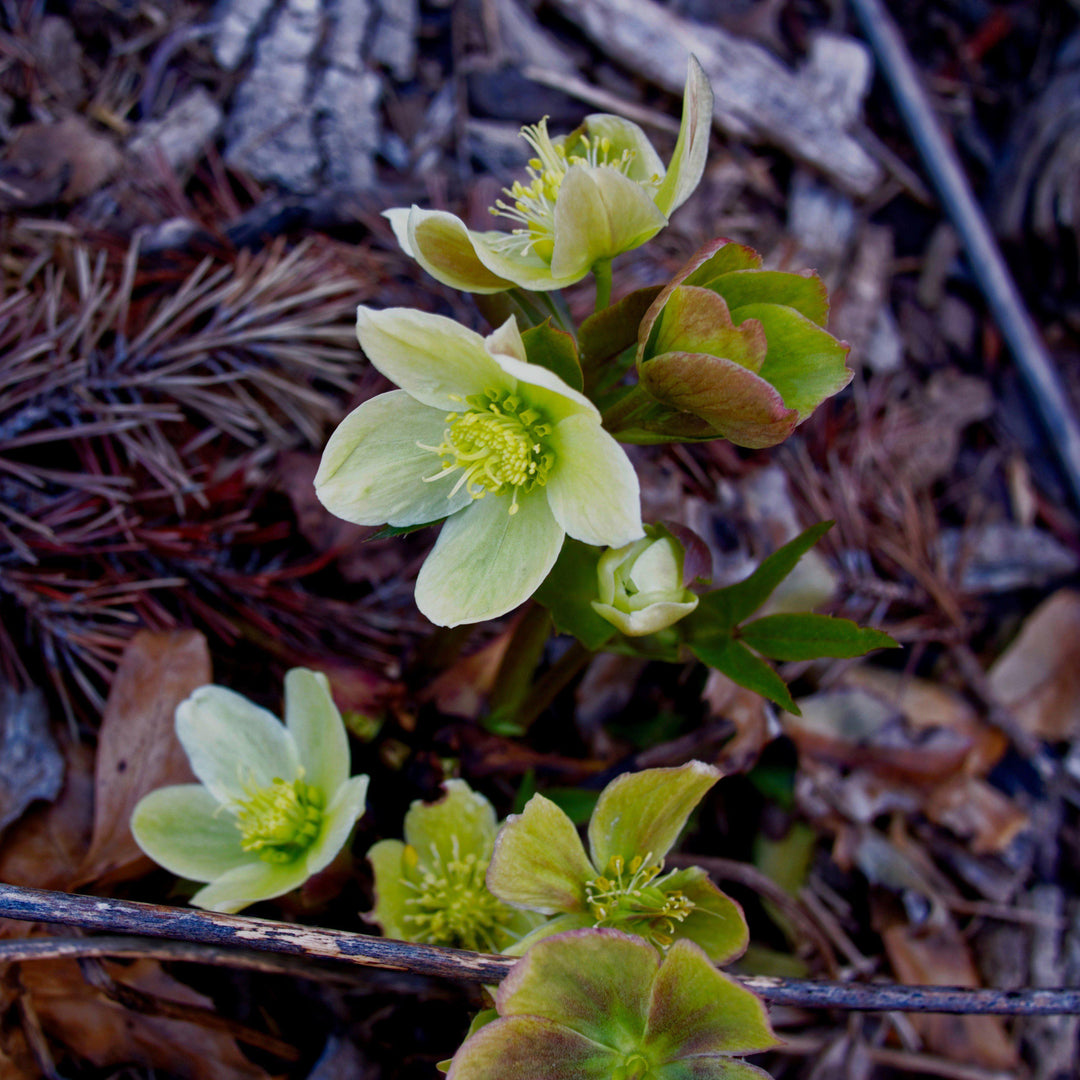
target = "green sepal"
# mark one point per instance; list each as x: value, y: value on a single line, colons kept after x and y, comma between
x: 806, y: 636
x: 568, y: 591
x: 739, y: 664
x: 609, y: 332
x: 555, y: 350
x: 722, y: 610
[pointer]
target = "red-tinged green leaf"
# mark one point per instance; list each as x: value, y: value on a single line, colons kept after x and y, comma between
x: 805, y: 291
x: 567, y: 593
x: 723, y: 609
x: 739, y: 664
x: 697, y: 320
x: 608, y: 332
x: 805, y: 636
x: 715, y: 258
x: 805, y: 363
x: 555, y: 350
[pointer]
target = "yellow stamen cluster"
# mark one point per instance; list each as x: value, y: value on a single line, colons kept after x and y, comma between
x: 634, y: 898
x: 280, y: 821
x: 451, y: 905
x: 532, y: 203
x: 495, y: 445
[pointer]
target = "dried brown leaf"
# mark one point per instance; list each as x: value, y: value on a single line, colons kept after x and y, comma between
x: 105, y: 1033
x: 1037, y: 678
x: 939, y: 956
x: 974, y: 810
x: 138, y: 750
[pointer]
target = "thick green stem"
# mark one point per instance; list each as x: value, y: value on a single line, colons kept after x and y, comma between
x: 622, y: 413
x: 515, y: 675
x: 552, y: 682
x: 602, y: 274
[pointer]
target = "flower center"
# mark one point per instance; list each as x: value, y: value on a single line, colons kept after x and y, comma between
x: 496, y: 445
x: 451, y: 905
x: 634, y: 1067
x: 280, y: 821
x: 532, y: 204
x: 634, y: 898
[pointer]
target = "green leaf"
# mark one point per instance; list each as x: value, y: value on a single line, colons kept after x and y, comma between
x: 723, y: 609
x: 389, y: 531
x: 740, y: 665
x: 608, y: 332
x: 805, y: 636
x: 555, y: 350
x: 568, y: 591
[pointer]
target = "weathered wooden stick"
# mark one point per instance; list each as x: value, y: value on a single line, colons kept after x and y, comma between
x: 265, y: 935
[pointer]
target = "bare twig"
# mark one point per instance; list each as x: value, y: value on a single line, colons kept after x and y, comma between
x: 264, y: 935
x: 984, y: 257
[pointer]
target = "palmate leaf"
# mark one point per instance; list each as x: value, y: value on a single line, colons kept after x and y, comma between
x: 806, y: 636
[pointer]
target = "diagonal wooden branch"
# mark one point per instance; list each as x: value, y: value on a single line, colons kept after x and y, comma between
x: 227, y: 932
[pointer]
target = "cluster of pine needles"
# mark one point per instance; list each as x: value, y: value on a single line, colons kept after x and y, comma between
x: 144, y: 398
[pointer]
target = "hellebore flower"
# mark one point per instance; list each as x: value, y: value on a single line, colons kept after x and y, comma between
x: 514, y: 457
x: 431, y: 887
x: 539, y: 864
x: 641, y: 585
x: 734, y: 351
x: 602, y: 1005
x: 275, y: 803
x: 590, y: 195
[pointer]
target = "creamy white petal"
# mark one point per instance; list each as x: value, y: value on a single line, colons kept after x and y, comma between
x: 487, y: 560
x: 434, y: 359
x: 374, y: 469
x: 593, y: 488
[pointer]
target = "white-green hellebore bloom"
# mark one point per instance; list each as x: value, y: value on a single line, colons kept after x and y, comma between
x: 641, y: 585
x: 505, y: 450
x: 275, y: 803
x: 589, y: 196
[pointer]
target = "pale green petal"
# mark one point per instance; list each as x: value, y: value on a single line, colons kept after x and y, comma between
x: 716, y: 923
x: 506, y: 341
x: 530, y: 1048
x: 232, y: 744
x: 692, y: 146
x: 557, y: 925
x: 642, y: 813
x: 248, y: 884
x: 373, y: 469
x: 434, y: 359
x: 318, y: 730
x: 338, y: 821
x: 479, y: 262
x: 696, y: 1011
x: 487, y: 560
x: 399, y: 222
x: 186, y: 830
x: 596, y: 982
x: 386, y: 858
x: 546, y: 391
x: 598, y: 214
x: 710, y: 1067
x: 539, y: 862
x: 648, y: 620
x: 461, y: 823
x: 443, y: 246
x: 645, y: 164
x: 593, y: 488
